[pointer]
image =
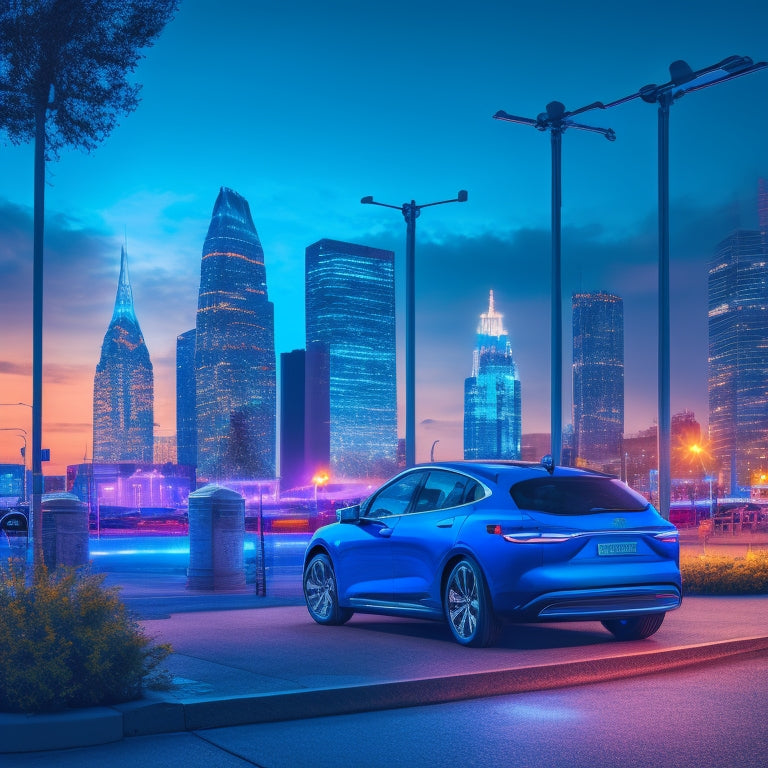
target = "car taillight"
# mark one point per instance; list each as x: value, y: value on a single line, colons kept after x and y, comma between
x: 668, y: 537
x: 528, y: 537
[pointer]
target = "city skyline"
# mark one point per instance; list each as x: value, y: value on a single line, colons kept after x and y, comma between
x: 303, y: 134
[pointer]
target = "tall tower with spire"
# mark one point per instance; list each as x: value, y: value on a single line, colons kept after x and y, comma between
x: 235, y: 397
x: 492, y: 402
x: 123, y: 387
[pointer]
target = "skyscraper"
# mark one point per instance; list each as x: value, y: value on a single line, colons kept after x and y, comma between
x: 351, y: 405
x: 292, y: 421
x: 598, y: 377
x: 186, y: 417
x: 492, y: 402
x: 234, y: 350
x: 738, y: 355
x: 123, y: 387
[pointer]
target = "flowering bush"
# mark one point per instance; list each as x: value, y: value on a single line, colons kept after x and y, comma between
x: 719, y: 575
x: 68, y: 641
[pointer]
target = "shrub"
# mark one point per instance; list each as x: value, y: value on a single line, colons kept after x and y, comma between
x: 66, y: 640
x: 719, y: 575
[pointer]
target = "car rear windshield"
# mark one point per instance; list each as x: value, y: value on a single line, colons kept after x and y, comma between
x: 576, y: 495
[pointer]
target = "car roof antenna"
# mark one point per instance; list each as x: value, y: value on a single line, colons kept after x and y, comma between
x: 548, y: 463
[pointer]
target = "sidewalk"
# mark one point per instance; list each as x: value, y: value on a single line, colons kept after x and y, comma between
x: 239, y: 658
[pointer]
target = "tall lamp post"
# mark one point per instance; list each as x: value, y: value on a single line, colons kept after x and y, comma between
x: 556, y: 120
x: 682, y: 80
x: 410, y: 213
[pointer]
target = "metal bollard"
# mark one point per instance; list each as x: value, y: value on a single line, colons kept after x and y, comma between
x: 216, y: 539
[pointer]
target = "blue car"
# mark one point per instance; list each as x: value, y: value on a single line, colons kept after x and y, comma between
x: 479, y: 544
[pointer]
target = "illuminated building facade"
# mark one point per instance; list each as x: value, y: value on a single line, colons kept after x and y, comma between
x: 111, y: 489
x: 598, y: 378
x: 492, y: 401
x: 351, y: 384
x: 123, y: 387
x: 738, y: 356
x: 186, y: 417
x: 234, y: 350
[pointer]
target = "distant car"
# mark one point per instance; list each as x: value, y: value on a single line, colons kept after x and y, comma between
x: 483, y: 543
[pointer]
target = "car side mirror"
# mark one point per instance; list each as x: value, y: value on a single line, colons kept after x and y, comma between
x: 348, y: 514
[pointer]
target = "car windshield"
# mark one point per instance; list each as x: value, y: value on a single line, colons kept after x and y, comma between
x: 576, y: 495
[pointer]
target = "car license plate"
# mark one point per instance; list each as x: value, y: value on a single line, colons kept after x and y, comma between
x: 618, y: 548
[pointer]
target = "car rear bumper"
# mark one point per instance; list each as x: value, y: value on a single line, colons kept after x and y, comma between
x: 598, y: 604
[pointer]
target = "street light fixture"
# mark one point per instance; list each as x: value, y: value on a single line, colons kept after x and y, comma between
x: 410, y: 213
x: 556, y: 120
x: 682, y: 80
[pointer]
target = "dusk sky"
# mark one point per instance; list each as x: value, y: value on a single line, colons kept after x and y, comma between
x: 305, y: 107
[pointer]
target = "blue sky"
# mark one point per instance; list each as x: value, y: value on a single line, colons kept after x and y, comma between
x: 305, y: 107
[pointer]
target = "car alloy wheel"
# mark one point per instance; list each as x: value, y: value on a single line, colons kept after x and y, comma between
x: 321, y: 594
x: 468, y: 606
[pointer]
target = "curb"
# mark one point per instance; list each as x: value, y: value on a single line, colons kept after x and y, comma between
x: 156, y: 715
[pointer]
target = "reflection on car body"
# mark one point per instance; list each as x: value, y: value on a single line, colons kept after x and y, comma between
x: 483, y: 543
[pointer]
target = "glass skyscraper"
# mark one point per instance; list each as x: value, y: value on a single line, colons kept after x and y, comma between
x: 123, y: 387
x: 598, y: 377
x: 292, y: 421
x: 738, y: 356
x: 186, y: 417
x: 351, y: 383
x: 234, y: 350
x: 492, y: 402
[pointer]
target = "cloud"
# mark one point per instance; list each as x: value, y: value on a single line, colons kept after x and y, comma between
x: 15, y: 369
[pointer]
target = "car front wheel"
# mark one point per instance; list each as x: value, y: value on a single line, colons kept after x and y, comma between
x: 468, y: 608
x: 636, y: 628
x: 321, y: 594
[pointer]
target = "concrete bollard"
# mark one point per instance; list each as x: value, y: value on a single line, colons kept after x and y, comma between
x: 65, y: 530
x: 216, y: 539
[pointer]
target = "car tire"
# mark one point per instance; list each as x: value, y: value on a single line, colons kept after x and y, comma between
x: 636, y: 628
x: 321, y: 593
x: 468, y: 607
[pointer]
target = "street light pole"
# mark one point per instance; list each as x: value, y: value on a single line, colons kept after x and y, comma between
x: 556, y: 120
x: 410, y: 213
x: 682, y: 80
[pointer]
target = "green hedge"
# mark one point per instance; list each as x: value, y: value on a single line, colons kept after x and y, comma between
x: 68, y: 641
x: 719, y: 575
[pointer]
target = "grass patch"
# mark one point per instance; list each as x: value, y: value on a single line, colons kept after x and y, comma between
x: 66, y: 640
x: 719, y: 575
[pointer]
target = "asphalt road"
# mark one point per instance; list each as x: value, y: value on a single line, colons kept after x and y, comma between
x: 710, y: 717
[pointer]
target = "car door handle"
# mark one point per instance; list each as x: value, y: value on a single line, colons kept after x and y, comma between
x: 385, y: 531
x: 448, y: 523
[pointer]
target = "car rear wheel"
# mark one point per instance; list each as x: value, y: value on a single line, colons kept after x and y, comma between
x: 636, y: 628
x: 468, y: 608
x: 321, y: 594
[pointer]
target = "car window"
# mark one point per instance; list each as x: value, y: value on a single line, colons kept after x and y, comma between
x: 444, y: 490
x: 576, y: 495
x: 394, y: 499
